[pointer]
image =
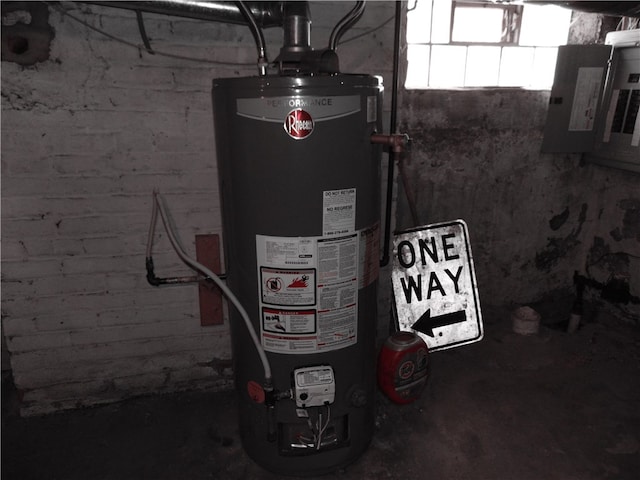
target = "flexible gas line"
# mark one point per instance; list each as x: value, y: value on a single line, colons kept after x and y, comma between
x: 258, y: 36
x: 345, y: 24
x: 158, y: 206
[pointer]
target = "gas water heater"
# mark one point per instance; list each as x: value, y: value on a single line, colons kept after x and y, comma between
x: 299, y: 157
x: 300, y: 188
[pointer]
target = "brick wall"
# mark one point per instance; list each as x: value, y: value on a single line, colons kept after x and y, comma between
x: 86, y: 136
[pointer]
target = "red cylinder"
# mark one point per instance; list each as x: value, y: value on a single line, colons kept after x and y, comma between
x: 403, y: 367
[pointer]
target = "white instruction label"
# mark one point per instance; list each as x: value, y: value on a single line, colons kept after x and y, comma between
x: 585, y: 99
x: 308, y: 292
x: 339, y: 211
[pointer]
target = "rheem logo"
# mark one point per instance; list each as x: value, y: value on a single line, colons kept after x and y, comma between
x: 298, y: 124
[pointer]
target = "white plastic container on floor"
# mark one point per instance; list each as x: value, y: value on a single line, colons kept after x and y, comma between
x: 526, y: 321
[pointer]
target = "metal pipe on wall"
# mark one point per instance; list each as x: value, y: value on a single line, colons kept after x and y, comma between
x: 392, y: 130
x: 266, y: 14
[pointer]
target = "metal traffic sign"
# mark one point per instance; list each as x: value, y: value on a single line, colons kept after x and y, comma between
x: 434, y: 285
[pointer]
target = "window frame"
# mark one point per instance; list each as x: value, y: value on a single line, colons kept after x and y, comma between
x: 541, y: 55
x: 511, y: 22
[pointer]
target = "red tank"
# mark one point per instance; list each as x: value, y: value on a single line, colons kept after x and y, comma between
x: 403, y: 367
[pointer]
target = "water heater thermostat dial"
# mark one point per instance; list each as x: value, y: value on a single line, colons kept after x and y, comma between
x: 314, y: 386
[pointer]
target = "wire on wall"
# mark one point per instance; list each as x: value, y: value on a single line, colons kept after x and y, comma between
x: 143, y: 33
x: 367, y: 32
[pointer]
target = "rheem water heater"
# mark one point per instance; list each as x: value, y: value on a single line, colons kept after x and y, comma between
x: 300, y: 188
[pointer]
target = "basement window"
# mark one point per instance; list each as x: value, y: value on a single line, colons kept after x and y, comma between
x: 452, y: 44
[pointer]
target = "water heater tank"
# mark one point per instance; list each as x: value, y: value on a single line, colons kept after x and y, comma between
x: 300, y: 188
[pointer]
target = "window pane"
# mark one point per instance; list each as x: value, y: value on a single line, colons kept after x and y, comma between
x: 419, y: 22
x: 516, y: 66
x: 483, y: 64
x: 545, y: 25
x: 418, y: 66
x: 544, y: 66
x: 441, y: 21
x: 472, y: 24
x: 447, y: 66
x: 474, y: 62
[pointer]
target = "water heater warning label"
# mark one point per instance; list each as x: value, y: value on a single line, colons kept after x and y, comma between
x: 339, y: 211
x: 288, y: 287
x: 309, y: 291
x: 293, y: 321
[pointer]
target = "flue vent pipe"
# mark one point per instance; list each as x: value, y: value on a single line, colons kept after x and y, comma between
x: 266, y: 14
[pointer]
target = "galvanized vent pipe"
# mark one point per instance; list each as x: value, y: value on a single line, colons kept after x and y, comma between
x: 266, y: 14
x: 297, y: 26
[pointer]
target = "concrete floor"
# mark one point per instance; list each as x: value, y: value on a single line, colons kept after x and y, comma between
x: 550, y: 406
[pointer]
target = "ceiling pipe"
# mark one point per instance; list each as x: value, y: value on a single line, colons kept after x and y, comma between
x: 266, y: 14
x: 255, y: 15
x: 610, y: 8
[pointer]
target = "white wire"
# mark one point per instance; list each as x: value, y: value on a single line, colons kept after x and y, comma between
x: 159, y: 201
x: 321, y: 428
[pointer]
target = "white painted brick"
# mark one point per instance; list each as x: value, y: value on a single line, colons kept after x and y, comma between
x: 40, y: 341
x: 41, y: 305
x: 70, y: 322
x: 139, y: 384
x: 35, y: 225
x: 189, y: 376
x: 44, y: 286
x: 39, y: 162
x: 56, y: 374
x: 18, y: 326
x: 13, y: 249
x: 71, y: 394
x: 184, y: 310
x: 148, y: 331
x: 76, y: 355
x: 26, y: 270
x: 83, y: 394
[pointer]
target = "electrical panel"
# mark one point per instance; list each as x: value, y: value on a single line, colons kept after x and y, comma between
x: 618, y: 140
x: 594, y: 102
x: 575, y: 99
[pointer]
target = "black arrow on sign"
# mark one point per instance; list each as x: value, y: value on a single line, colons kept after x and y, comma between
x: 426, y: 323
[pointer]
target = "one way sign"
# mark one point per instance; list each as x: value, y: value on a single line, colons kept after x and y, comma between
x: 434, y: 285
